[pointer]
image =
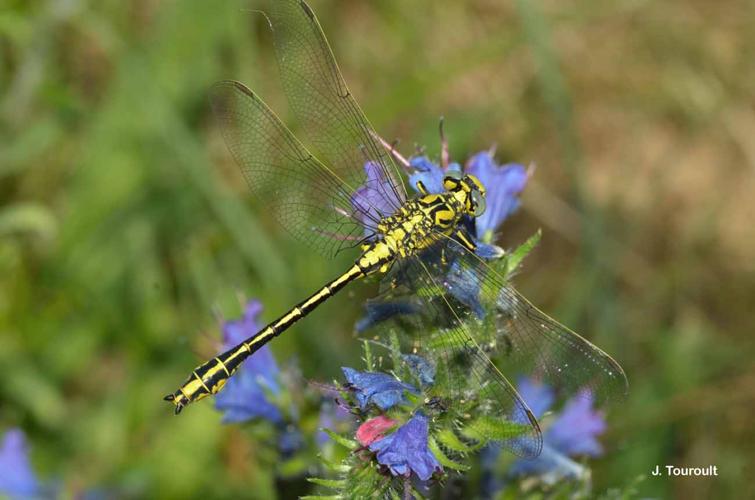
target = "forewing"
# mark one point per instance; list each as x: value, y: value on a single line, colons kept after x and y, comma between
x: 307, y: 198
x: 340, y: 133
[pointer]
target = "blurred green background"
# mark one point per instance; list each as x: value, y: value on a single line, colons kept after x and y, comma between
x: 124, y: 222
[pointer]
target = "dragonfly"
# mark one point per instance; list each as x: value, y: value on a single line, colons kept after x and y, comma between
x: 351, y: 195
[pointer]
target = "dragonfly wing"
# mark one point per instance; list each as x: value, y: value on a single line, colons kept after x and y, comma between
x: 525, y: 340
x: 339, y: 131
x: 468, y: 315
x: 467, y: 383
x: 306, y: 197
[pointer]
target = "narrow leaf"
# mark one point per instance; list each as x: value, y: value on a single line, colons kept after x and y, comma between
x: 345, y: 442
x: 328, y: 483
x: 443, y: 458
x: 517, y: 256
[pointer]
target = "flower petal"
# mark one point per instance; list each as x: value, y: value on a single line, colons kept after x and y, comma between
x: 538, y: 396
x: 243, y: 397
x: 420, y: 368
x: 376, y: 311
x: 376, y: 198
x: 406, y: 450
x: 551, y: 465
x: 379, y: 388
x: 428, y: 172
x: 577, y: 427
x: 236, y: 331
x: 503, y: 184
x: 374, y: 429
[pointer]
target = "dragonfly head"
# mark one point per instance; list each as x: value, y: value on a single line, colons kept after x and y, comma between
x: 468, y: 190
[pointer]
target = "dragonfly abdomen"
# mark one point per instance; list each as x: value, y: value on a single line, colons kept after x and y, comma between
x: 210, y: 377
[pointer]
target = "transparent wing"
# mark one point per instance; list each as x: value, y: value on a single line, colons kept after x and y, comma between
x: 307, y: 198
x: 526, y: 341
x: 333, y: 121
x: 466, y: 382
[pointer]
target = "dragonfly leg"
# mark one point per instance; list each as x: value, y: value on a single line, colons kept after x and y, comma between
x: 465, y: 240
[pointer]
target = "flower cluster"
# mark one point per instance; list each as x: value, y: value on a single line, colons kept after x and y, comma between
x: 404, y: 450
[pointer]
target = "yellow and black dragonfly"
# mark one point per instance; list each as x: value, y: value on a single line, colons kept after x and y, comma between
x: 421, y: 247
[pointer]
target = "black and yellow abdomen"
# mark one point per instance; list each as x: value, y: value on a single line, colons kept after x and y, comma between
x: 210, y: 377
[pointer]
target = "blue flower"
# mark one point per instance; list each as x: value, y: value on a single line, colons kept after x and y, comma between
x: 244, y: 396
x: 574, y: 431
x: 420, y: 368
x: 375, y: 312
x: 379, y: 388
x: 464, y: 285
x: 406, y: 451
x: 577, y: 427
x: 504, y: 184
x: 17, y: 479
x: 539, y: 397
x: 376, y: 198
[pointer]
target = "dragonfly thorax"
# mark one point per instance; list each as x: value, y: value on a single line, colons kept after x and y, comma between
x: 414, y: 227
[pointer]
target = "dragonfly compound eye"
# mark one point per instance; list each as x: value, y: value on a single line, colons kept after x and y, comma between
x: 478, y: 203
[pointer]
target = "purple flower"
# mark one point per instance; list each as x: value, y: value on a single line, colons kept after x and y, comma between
x: 406, y: 451
x: 379, y: 388
x: 17, y: 479
x: 573, y: 432
x: 376, y: 198
x: 577, y: 427
x: 504, y: 184
x: 244, y: 396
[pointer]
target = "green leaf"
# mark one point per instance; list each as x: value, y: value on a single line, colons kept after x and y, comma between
x: 345, y: 442
x: 450, y: 440
x: 328, y: 483
x: 487, y: 428
x: 321, y: 497
x: 338, y: 467
x: 368, y: 361
x: 395, y: 351
x: 443, y: 458
x: 516, y: 257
